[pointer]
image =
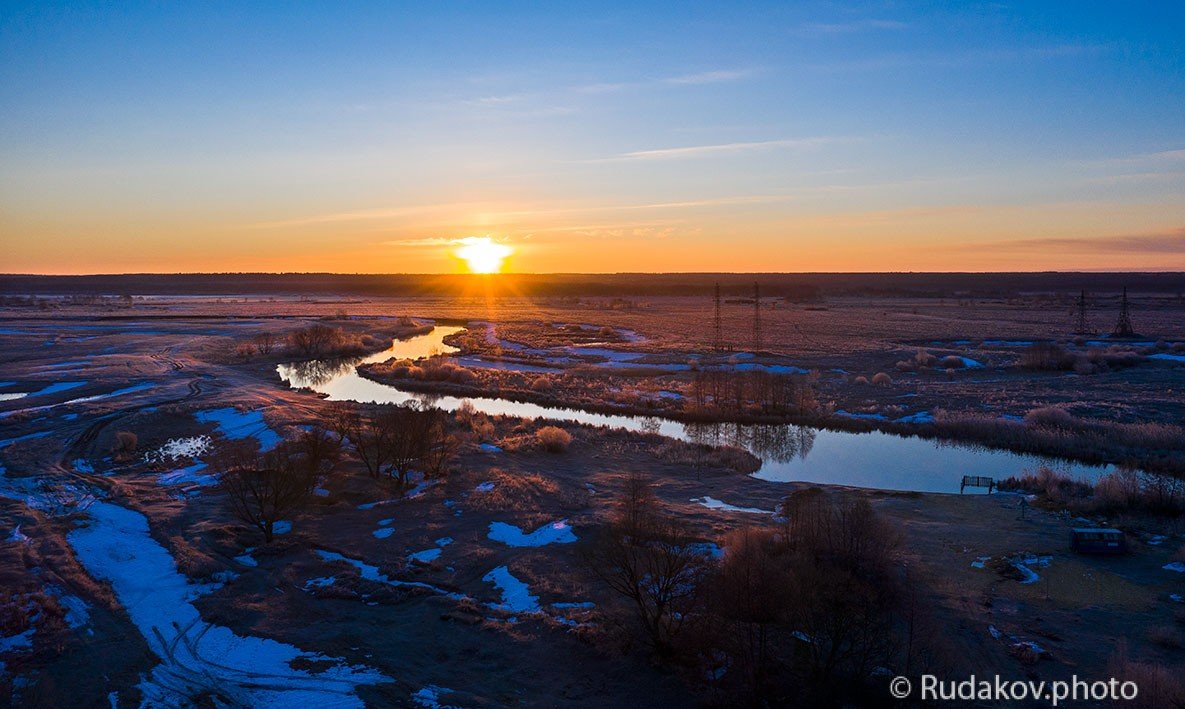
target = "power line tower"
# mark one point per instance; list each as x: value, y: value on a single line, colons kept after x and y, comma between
x: 756, y: 318
x: 1082, y: 327
x: 717, y: 339
x: 1123, y: 328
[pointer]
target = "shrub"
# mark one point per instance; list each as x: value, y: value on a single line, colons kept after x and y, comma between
x: 1050, y: 417
x: 1160, y: 686
x: 861, y: 380
x: 952, y: 362
x: 645, y: 556
x: 1046, y: 356
x: 925, y: 359
x: 125, y: 443
x: 881, y: 379
x: 264, y: 487
x: 553, y: 439
x: 541, y: 384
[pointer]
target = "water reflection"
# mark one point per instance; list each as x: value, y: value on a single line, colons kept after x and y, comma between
x: 788, y: 452
x: 318, y: 372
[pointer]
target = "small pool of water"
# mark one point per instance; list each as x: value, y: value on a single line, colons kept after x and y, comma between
x: 788, y: 453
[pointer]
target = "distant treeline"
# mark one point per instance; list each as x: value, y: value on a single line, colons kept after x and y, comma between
x: 799, y: 286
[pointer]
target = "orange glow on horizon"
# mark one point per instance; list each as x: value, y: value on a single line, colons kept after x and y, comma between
x: 482, y: 254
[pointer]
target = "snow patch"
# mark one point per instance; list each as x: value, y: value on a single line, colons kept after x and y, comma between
x: 713, y: 504
x: 238, y: 425
x: 516, y: 595
x: 553, y: 533
x: 195, y: 656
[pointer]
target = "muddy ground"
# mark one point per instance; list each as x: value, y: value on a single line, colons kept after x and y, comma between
x: 148, y: 370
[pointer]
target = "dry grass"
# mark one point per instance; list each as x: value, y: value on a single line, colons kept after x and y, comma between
x: 696, y: 455
x: 553, y: 439
x: 518, y: 491
x: 1160, y: 686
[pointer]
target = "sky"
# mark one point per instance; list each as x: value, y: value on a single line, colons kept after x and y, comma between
x: 592, y: 137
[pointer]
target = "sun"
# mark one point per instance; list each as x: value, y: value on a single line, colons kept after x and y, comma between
x: 482, y: 254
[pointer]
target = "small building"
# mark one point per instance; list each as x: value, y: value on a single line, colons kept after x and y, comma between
x: 1097, y: 540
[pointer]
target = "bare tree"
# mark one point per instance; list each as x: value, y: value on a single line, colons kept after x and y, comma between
x: 398, y: 440
x: 264, y: 487
x: 647, y: 557
x: 265, y: 342
x: 314, y: 339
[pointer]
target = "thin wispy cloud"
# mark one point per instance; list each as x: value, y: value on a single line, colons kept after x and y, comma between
x: 696, y: 151
x: 355, y: 216
x: 1170, y: 242
x: 967, y: 58
x: 707, y: 77
x: 864, y: 25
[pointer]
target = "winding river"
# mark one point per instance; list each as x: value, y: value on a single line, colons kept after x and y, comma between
x: 788, y: 452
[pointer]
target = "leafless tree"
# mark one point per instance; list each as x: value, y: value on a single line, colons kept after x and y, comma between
x: 314, y: 339
x: 265, y: 487
x: 265, y: 342
x: 647, y: 557
x: 398, y: 440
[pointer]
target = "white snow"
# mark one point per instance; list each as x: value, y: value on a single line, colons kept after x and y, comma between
x: 1175, y: 566
x: 237, y: 425
x: 383, y: 532
x: 489, y: 448
x: 553, y: 533
x: 195, y: 656
x: 189, y: 475
x: 429, y: 697
x: 78, y: 613
x: 485, y: 487
x: 179, y: 448
x: 516, y: 595
x: 1168, y: 357
x: 17, y: 535
x: 426, y: 555
x: 20, y: 641
x: 282, y: 527
x: 371, y: 573
x: 1024, y: 563
x: 713, y: 504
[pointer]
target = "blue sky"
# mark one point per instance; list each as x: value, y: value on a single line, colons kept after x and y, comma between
x: 815, y: 136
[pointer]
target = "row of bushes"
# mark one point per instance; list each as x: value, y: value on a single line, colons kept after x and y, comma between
x: 1122, y: 491
x: 1055, y: 432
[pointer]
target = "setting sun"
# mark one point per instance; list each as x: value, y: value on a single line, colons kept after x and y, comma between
x: 481, y: 254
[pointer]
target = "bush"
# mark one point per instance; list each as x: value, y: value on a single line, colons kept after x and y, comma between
x: 861, y: 380
x: 1046, y: 356
x: 553, y: 439
x: 1160, y: 686
x: 881, y: 379
x: 541, y: 384
x: 952, y: 362
x: 1050, y: 417
x: 125, y: 444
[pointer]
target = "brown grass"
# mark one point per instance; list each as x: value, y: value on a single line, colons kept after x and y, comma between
x: 518, y: 491
x: 553, y: 439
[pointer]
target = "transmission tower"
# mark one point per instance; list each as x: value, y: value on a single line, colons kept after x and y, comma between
x: 1082, y: 327
x: 1123, y: 328
x: 717, y: 339
x: 756, y: 318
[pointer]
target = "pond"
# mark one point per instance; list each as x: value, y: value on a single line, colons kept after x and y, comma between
x: 788, y: 453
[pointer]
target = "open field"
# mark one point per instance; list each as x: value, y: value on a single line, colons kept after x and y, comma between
x: 474, y: 587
